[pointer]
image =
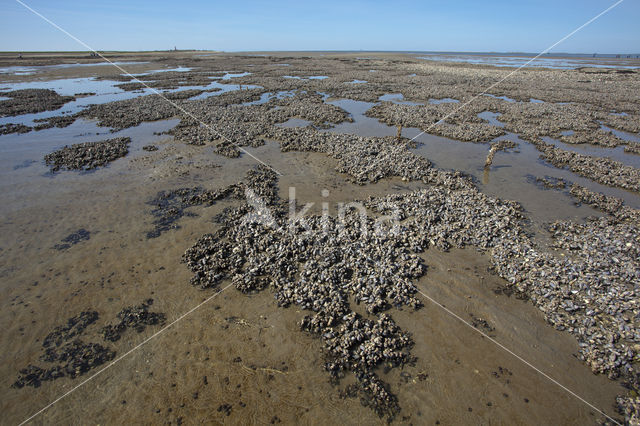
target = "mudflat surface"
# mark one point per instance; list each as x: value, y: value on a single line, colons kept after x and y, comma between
x: 337, y: 128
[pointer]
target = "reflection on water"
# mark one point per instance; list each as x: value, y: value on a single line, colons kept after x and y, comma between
x: 230, y: 75
x: 30, y: 70
x: 508, y: 177
x: 69, y: 86
x: 504, y: 98
x: 266, y: 97
x: 224, y: 88
x: 616, y: 153
x: 629, y: 137
x: 24, y: 184
x: 361, y: 125
x: 106, y: 91
x: 397, y: 98
x: 491, y: 117
x: 443, y: 101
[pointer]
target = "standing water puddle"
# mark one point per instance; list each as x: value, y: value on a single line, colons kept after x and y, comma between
x: 31, y: 70
x: 629, y: 137
x: 443, y: 101
x: 508, y: 178
x: 397, y: 98
x: 616, y: 153
x: 361, y: 125
x: 104, y: 91
x: 491, y: 117
x: 504, y: 98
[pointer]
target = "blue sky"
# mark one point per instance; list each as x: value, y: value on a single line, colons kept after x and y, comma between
x: 528, y: 26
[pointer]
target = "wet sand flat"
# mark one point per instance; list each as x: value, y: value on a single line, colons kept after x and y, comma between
x: 111, y: 237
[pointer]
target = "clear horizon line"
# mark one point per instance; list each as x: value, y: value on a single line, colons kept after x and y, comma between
x: 510, y: 52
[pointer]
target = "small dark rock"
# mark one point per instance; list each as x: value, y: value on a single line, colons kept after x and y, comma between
x: 225, y: 408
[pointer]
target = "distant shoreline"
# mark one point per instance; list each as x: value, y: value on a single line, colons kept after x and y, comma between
x: 492, y: 59
x: 409, y: 52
